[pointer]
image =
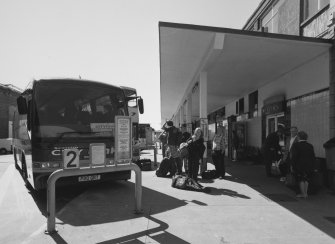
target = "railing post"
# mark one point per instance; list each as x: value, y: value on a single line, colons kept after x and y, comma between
x: 51, y: 202
x: 138, y: 190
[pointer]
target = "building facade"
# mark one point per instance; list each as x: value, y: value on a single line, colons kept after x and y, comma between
x: 277, y: 70
x: 300, y: 97
x: 8, y: 96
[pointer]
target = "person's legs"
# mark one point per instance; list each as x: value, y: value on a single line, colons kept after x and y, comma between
x: 186, y: 167
x: 268, y: 163
x: 163, y: 150
x: 195, y: 171
x: 302, y: 189
x: 223, y: 168
x: 305, y: 188
x: 216, y: 163
x: 179, y: 165
x: 190, y: 168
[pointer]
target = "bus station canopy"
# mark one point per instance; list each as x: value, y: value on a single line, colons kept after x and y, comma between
x: 237, y: 62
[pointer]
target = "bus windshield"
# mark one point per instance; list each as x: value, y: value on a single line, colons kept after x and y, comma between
x: 71, y: 109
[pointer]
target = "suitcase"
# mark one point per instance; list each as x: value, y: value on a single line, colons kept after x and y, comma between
x: 144, y: 164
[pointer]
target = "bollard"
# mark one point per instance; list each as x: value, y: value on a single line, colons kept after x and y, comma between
x: 155, y: 156
x: 51, y: 185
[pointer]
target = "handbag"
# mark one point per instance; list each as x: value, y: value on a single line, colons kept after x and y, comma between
x: 275, y: 167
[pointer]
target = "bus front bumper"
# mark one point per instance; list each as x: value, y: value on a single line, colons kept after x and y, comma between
x: 41, y: 178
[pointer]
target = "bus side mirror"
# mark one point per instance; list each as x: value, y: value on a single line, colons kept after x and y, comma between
x: 22, y: 105
x: 140, y: 105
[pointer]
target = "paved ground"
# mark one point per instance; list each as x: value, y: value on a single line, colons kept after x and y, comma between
x: 246, y: 207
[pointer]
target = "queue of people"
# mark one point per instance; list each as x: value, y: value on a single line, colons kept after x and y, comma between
x: 297, y: 161
x: 171, y: 138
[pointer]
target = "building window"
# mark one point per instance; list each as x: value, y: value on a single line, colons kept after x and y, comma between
x: 236, y: 107
x: 311, y: 7
x: 253, y: 104
x: 270, y: 20
x: 241, y: 106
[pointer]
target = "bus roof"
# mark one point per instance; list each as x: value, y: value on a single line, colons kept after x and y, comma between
x: 69, y: 80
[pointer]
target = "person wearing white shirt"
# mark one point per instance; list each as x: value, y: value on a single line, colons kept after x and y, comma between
x: 286, y: 167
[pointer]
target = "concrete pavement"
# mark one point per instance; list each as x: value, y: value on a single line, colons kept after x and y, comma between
x: 246, y: 207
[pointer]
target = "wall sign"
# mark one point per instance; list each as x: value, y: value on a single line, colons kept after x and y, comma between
x: 273, y: 108
x: 123, y: 142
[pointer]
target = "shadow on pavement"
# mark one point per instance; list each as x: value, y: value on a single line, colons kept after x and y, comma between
x: 226, y: 192
x: 161, y: 237
x: 311, y: 209
x: 104, y: 203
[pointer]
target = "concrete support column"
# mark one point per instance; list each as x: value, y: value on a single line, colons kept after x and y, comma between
x: 203, y: 114
x: 181, y: 116
x: 189, y: 113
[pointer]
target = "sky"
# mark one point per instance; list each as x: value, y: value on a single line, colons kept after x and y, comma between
x: 112, y: 41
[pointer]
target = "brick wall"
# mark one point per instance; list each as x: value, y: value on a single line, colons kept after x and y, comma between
x: 311, y: 114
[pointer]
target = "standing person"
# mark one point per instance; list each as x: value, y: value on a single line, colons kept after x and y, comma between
x: 196, y: 149
x: 303, y: 160
x: 218, y: 152
x: 286, y: 165
x: 236, y: 143
x: 272, y: 149
x: 173, y: 141
x: 163, y: 139
x: 185, y: 137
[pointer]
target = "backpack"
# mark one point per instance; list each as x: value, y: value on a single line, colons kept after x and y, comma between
x: 174, y: 136
x: 165, y: 167
x: 208, y: 174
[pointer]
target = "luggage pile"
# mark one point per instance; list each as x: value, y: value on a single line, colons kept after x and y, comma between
x: 186, y: 183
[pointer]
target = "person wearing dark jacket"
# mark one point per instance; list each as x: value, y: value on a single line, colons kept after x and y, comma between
x: 271, y: 149
x: 303, y: 159
x: 196, y: 149
x: 185, y: 137
x: 173, y: 143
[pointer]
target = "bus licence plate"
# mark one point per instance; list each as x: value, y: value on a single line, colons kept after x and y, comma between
x: 88, y: 178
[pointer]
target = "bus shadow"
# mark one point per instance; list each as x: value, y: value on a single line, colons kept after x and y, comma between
x: 104, y: 203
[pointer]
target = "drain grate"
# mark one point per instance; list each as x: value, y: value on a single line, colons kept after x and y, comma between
x: 277, y: 197
x: 331, y: 219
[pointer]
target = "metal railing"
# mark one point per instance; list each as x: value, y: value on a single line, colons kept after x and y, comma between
x: 51, y: 195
